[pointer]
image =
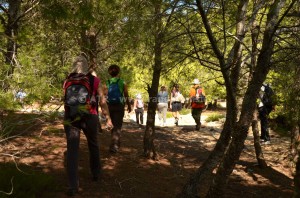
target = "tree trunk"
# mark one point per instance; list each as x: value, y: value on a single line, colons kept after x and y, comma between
x: 1, y: 121
x: 297, y: 177
x: 149, y: 135
x: 89, y: 46
x: 11, y: 32
x: 231, y: 81
x: 258, y: 151
x: 11, y: 29
x: 240, y: 129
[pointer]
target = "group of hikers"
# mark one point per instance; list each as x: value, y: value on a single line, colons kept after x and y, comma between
x: 175, y: 103
x: 84, y: 93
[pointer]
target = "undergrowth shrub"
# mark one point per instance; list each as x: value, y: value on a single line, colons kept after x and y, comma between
x: 214, y: 117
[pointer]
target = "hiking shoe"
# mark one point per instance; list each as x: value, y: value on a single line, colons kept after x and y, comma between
x: 266, y: 142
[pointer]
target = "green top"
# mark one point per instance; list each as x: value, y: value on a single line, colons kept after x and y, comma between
x: 115, y: 79
x: 121, y: 84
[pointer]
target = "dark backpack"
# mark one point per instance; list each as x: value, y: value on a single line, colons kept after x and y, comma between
x: 199, y: 98
x: 78, y: 92
x: 268, y: 98
x: 115, y: 96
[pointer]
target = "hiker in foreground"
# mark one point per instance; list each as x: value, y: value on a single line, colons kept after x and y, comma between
x: 197, y: 97
x: 117, y: 95
x: 265, y: 106
x: 82, y: 93
x: 138, y: 106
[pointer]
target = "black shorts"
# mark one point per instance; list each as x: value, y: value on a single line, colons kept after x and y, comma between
x: 176, y: 106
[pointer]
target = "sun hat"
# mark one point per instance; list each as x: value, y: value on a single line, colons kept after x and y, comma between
x: 196, y: 81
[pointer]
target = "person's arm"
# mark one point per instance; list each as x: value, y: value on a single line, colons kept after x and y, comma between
x: 134, y: 104
x: 171, y: 98
x: 127, y: 98
x: 103, y: 105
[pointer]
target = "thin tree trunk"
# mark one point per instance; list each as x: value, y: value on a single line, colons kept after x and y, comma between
x: 240, y: 129
x: 11, y: 32
x: 149, y: 135
x: 197, y: 181
x: 11, y: 29
x: 1, y: 120
x: 258, y: 151
x: 297, y: 178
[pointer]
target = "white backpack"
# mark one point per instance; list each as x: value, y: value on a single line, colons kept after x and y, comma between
x: 139, y: 103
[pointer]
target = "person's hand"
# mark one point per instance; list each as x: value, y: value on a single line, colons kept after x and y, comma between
x: 129, y: 109
x: 109, y: 124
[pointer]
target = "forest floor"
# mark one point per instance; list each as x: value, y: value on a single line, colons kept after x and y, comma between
x: 181, y: 151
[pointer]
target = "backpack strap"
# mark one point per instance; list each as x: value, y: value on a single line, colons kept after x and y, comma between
x: 109, y: 83
x: 91, y: 81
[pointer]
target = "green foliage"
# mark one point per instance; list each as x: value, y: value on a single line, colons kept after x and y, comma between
x: 169, y: 114
x: 214, y: 117
x: 7, y: 100
x: 26, y: 182
x: 185, y: 111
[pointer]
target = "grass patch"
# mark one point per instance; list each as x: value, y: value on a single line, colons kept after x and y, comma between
x: 182, y: 112
x: 185, y: 111
x: 214, y: 117
x: 25, y: 183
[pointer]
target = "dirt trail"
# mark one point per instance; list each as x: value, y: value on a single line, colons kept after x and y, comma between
x: 181, y: 151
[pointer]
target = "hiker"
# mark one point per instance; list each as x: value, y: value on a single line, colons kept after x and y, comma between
x: 138, y: 106
x: 81, y: 89
x: 162, y: 106
x: 176, y: 100
x: 265, y: 106
x: 117, y: 95
x: 20, y: 95
x: 197, y: 98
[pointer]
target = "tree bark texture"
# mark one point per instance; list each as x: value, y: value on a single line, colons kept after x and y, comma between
x: 258, y: 151
x: 89, y: 46
x: 1, y: 120
x: 149, y: 135
x: 297, y: 178
x: 11, y: 32
x: 295, y: 141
